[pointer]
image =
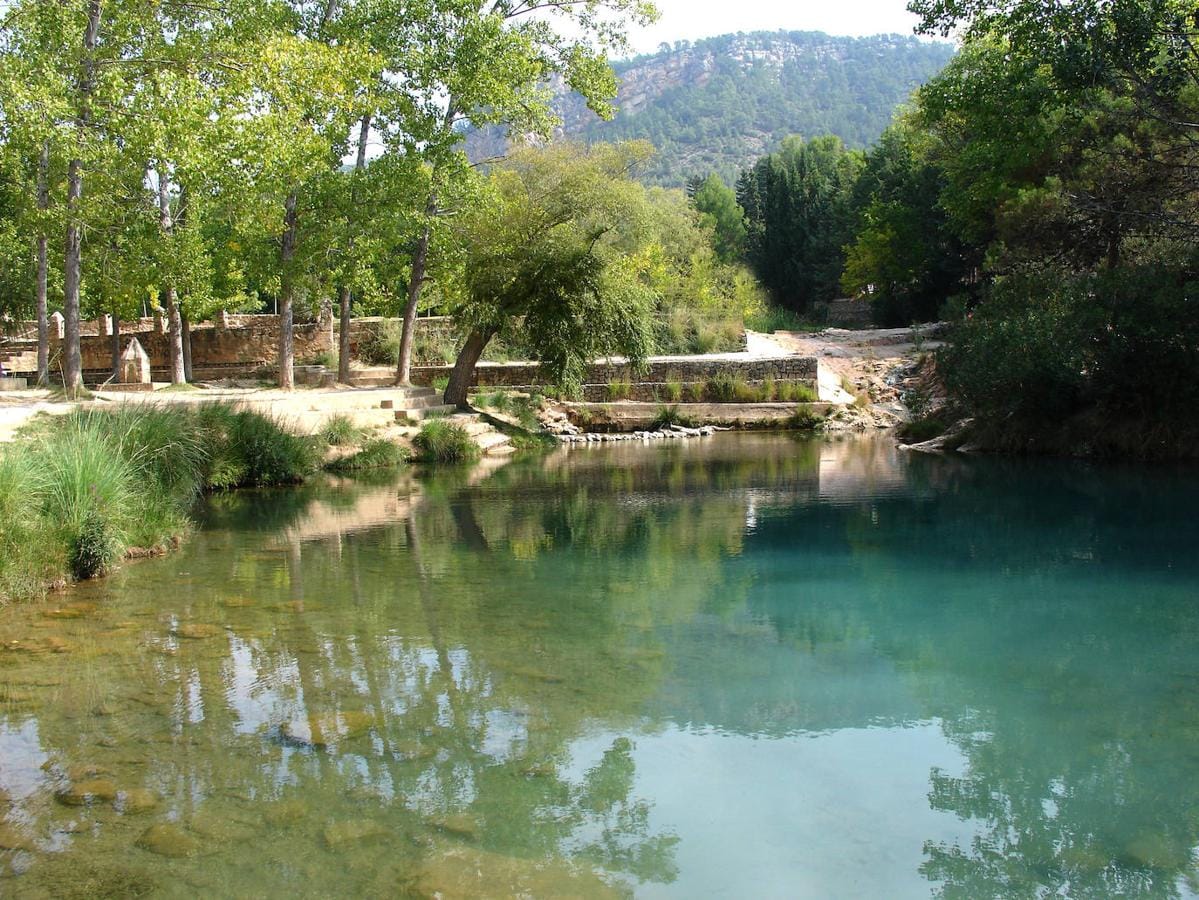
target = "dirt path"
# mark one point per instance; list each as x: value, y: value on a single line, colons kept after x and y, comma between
x: 873, y: 362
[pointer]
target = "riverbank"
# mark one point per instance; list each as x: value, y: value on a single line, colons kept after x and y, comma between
x: 83, y: 491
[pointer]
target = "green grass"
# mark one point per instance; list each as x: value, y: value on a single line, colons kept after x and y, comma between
x: 723, y: 387
x: 670, y: 415
x: 620, y: 389
x: 794, y: 392
x: 80, y: 491
x: 377, y: 453
x: 178, y: 389
x: 672, y: 390
x: 445, y: 442
x: 804, y: 419
x: 340, y: 431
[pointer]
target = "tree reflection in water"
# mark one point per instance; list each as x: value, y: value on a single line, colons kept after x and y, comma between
x: 385, y: 686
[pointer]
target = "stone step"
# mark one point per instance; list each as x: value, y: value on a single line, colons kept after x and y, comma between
x: 494, y: 443
x: 425, y: 412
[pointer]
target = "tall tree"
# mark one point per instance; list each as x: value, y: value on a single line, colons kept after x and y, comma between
x: 488, y: 62
x: 557, y: 247
x: 799, y: 216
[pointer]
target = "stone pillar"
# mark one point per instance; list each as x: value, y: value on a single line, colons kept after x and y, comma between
x: 160, y: 322
x: 135, y: 364
x: 57, y: 326
x: 104, y: 325
x: 222, y: 320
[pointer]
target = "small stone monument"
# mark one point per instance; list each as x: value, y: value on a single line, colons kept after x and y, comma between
x: 222, y: 320
x: 160, y: 322
x: 104, y: 325
x: 57, y: 326
x: 135, y: 365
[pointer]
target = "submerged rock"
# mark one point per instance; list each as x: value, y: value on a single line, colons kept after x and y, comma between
x: 90, y: 791
x: 321, y: 730
x: 168, y: 839
x: 284, y: 813
x: 12, y: 838
x: 75, y: 610
x: 355, y: 831
x: 464, y: 873
x: 136, y: 800
x: 460, y: 825
x: 196, y: 631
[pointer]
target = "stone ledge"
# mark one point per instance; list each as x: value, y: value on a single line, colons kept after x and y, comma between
x: 631, y: 415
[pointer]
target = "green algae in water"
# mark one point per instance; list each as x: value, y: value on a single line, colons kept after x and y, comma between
x: 747, y: 666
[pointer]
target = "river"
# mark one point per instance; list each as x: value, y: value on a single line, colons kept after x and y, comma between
x: 750, y: 665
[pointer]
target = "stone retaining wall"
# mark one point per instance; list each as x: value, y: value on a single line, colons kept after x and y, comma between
x: 684, y: 370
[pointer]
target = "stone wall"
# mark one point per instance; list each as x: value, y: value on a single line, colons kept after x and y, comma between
x: 237, y: 350
x: 685, y: 371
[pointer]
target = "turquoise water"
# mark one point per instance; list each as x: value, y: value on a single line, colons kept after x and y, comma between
x: 744, y: 666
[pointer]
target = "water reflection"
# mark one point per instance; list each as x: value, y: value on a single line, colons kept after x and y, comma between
x: 747, y: 665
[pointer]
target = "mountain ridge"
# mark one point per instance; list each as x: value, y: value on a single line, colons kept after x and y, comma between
x: 717, y: 104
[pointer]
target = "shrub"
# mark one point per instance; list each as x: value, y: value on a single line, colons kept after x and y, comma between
x: 445, y: 442
x: 724, y: 387
x: 672, y: 390
x: 378, y: 453
x: 670, y: 415
x: 93, y: 547
x: 804, y: 419
x: 619, y: 390
x: 924, y: 429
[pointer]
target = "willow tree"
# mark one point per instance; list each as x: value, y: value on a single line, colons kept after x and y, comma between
x: 558, y: 250
x: 489, y: 62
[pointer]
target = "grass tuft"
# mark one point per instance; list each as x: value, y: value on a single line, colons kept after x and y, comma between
x: 445, y: 442
x: 378, y: 453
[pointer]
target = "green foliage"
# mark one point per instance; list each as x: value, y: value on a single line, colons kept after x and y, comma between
x: 340, y: 431
x: 724, y: 387
x: 377, y: 453
x: 557, y: 251
x: 445, y: 442
x: 1042, y: 349
x: 922, y: 429
x: 672, y: 390
x: 799, y: 214
x: 620, y: 389
x: 718, y: 205
x: 83, y: 489
x: 804, y: 419
x: 665, y: 416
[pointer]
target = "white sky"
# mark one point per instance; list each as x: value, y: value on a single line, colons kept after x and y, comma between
x: 691, y: 19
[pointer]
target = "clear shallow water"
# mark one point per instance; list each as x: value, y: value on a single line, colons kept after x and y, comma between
x: 738, y: 667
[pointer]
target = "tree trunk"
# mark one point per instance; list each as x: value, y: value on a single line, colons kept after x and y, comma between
x: 187, y: 345
x: 174, y: 320
x: 43, y: 321
x: 181, y: 222
x: 343, y: 344
x: 415, y: 283
x: 115, y: 345
x: 73, y: 262
x: 464, y: 367
x: 73, y: 359
x: 344, y: 313
x: 287, y: 378
x: 420, y: 260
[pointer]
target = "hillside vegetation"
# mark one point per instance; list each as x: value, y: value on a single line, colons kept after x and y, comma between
x: 718, y: 104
